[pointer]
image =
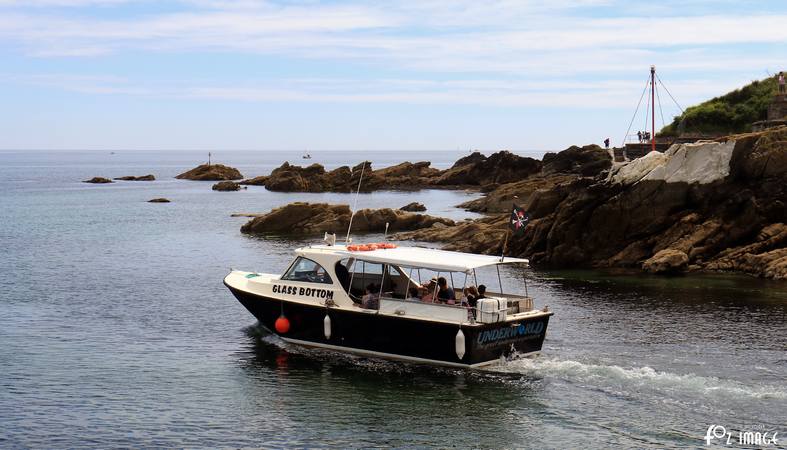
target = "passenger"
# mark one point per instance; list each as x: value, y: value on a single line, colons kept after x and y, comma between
x: 372, y: 298
x: 481, y: 292
x: 445, y: 294
x: 472, y: 296
x: 429, y: 291
x: 413, y: 294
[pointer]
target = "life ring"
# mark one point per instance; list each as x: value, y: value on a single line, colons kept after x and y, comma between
x: 352, y: 248
x: 372, y: 246
x: 363, y: 248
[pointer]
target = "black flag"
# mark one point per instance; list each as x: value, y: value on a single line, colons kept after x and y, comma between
x: 519, y: 219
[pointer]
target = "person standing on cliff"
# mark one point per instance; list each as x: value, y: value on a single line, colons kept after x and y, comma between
x: 781, y: 82
x: 606, y: 143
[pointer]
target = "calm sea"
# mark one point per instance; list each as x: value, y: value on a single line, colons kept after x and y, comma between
x: 116, y: 331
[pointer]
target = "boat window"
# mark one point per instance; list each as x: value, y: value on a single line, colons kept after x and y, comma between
x: 304, y: 269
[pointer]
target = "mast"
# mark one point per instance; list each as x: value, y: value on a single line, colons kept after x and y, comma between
x: 653, y: 108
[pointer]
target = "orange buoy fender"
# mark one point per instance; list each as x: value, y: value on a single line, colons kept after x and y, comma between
x: 282, y: 325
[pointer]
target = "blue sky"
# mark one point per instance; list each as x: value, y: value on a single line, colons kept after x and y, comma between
x: 392, y: 75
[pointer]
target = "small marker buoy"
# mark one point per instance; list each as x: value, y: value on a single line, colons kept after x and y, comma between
x: 282, y: 325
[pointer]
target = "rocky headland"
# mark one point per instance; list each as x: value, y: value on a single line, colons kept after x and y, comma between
x: 714, y: 205
x: 211, y: 172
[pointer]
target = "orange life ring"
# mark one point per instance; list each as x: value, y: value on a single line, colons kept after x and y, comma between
x: 352, y: 248
x: 363, y: 248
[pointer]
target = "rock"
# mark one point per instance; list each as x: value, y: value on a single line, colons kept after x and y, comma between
x: 98, y: 180
x: 413, y: 207
x: 158, y: 200
x: 226, y: 186
x: 500, y: 167
x: 211, y: 172
x: 314, y: 178
x: 766, y: 257
x: 148, y: 177
x: 499, y: 199
x: 289, y: 178
x: 317, y: 218
x: 256, y: 181
x: 587, y: 161
x: 667, y: 261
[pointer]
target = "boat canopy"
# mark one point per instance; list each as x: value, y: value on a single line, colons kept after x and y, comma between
x: 427, y: 258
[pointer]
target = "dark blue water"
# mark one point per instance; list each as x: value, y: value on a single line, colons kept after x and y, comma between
x: 116, y: 331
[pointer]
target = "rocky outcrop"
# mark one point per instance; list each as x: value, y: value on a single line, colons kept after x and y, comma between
x: 479, y: 170
x: 314, y: 178
x: 98, y: 180
x: 317, y: 218
x: 148, y: 177
x: 587, y: 161
x: 720, y: 203
x: 211, y: 172
x: 557, y: 169
x: 158, y: 200
x: 413, y: 207
x: 256, y: 181
x: 667, y: 261
x: 226, y: 186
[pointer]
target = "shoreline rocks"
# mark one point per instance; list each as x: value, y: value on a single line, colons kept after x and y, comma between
x: 98, y: 180
x: 211, y: 172
x: 316, y: 218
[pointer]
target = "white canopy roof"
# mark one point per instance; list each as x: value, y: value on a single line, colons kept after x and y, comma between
x: 428, y: 258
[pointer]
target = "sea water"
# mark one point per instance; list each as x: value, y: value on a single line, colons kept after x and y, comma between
x: 116, y: 330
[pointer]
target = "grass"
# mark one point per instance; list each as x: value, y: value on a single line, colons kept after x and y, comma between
x: 733, y: 112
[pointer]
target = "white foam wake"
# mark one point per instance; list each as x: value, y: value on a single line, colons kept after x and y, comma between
x: 639, y: 377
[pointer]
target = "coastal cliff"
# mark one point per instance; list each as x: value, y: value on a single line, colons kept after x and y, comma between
x: 715, y: 205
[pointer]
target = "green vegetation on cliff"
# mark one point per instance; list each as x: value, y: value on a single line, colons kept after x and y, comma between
x: 733, y: 112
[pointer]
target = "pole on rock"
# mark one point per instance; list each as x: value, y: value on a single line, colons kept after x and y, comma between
x: 653, y: 108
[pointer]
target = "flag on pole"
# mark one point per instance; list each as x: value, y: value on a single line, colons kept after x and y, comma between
x: 519, y: 219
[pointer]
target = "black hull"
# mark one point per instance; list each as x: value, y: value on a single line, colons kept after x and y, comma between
x: 397, y: 337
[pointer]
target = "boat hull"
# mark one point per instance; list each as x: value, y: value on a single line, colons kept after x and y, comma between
x: 397, y: 337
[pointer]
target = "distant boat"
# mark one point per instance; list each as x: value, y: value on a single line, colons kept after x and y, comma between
x: 307, y: 156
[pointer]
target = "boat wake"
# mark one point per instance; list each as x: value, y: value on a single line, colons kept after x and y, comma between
x: 638, y: 378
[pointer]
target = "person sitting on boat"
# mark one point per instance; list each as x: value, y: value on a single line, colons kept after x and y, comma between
x: 372, y: 298
x: 470, y: 297
x: 445, y: 294
x: 481, y: 292
x: 429, y: 291
x: 413, y: 294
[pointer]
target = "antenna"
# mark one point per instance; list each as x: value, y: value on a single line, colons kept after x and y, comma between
x: 355, y: 203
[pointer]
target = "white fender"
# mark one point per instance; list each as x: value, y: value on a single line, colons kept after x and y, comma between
x: 327, y: 326
x: 460, y: 344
